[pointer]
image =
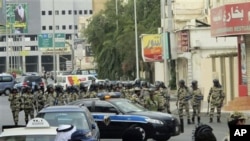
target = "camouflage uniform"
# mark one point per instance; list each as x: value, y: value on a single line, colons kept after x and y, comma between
x: 61, y: 99
x: 40, y: 100
x: 151, y: 102
x: 215, y: 98
x: 28, y: 102
x: 50, y: 98
x: 135, y: 98
x: 197, y: 96
x: 15, y: 105
x: 165, y: 94
x: 161, y: 101
x: 73, y: 97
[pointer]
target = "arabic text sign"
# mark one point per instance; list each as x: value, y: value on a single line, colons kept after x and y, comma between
x: 230, y: 19
x: 152, y: 47
x: 46, y: 40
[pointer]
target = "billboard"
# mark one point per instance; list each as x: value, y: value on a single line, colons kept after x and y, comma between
x: 17, y: 14
x: 46, y: 40
x: 183, y: 43
x: 230, y: 19
x: 151, y: 45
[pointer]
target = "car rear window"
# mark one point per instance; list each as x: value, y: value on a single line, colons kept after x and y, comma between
x: 77, y: 119
x: 29, y: 138
x: 33, y: 79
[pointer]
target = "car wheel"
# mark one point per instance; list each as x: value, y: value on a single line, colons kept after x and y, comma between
x: 142, y: 130
x: 7, y: 92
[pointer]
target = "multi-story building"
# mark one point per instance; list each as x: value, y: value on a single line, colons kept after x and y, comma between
x: 26, y: 42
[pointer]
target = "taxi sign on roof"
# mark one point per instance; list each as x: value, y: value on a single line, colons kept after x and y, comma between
x: 38, y: 123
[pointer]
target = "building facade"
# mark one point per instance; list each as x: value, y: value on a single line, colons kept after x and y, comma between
x: 19, y: 42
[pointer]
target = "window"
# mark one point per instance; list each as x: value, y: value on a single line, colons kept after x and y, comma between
x: 69, y: 12
x: 70, y: 26
x: 64, y: 27
x: 75, y: 12
x: 50, y: 12
x: 85, y: 12
x: 90, y: 12
x: 43, y: 27
x: 43, y: 13
x: 6, y: 79
x: 105, y: 107
x: 80, y: 12
x: 75, y: 27
x: 63, y: 12
x: 50, y: 28
x: 57, y: 27
x: 56, y: 12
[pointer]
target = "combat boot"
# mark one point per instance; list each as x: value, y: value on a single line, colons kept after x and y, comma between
x: 181, y: 125
x: 218, y: 120
x: 189, y: 121
x: 193, y: 122
x: 210, y: 120
x: 198, y: 120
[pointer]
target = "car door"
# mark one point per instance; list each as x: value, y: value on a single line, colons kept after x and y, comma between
x: 116, y: 126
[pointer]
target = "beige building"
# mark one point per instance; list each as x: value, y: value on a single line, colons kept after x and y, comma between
x: 98, y: 5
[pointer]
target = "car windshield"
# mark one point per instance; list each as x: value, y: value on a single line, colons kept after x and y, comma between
x: 77, y: 119
x: 29, y: 138
x: 128, y: 107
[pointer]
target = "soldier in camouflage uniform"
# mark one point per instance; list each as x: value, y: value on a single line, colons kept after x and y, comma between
x: 83, y: 90
x: 15, y: 104
x: 28, y: 102
x: 135, y: 96
x: 215, y: 99
x: 74, y: 93
x: 151, y: 101
x: 197, y: 97
x: 61, y: 98
x: 50, y: 96
x: 92, y: 91
x: 40, y: 100
x: 182, y: 103
x: 164, y: 95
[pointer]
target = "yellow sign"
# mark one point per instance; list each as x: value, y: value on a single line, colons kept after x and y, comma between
x: 151, y: 45
x: 24, y: 53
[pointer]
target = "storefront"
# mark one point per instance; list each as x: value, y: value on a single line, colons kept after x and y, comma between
x: 234, y: 20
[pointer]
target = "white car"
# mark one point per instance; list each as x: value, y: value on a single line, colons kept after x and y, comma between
x: 37, y: 129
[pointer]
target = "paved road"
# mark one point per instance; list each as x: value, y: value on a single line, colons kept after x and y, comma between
x: 219, y: 129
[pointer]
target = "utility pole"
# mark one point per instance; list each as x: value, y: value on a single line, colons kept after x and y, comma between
x: 136, y: 42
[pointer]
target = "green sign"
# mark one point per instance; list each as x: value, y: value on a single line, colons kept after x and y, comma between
x: 17, y: 17
x: 46, y: 40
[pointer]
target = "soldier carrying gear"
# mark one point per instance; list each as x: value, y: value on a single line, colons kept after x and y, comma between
x: 197, y: 96
x: 40, y: 100
x: 182, y: 103
x: 28, y: 101
x: 215, y: 99
x: 15, y: 104
x: 165, y: 94
x: 50, y: 95
x: 135, y: 96
x: 151, y: 101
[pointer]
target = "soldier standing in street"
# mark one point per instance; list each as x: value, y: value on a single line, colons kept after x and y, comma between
x: 182, y: 102
x: 40, y: 100
x: 28, y: 102
x: 50, y: 96
x: 135, y: 96
x: 164, y: 95
x: 197, y: 96
x: 15, y: 104
x: 151, y: 102
x: 215, y: 99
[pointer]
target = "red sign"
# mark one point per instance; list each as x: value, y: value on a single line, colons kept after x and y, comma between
x: 182, y: 41
x: 230, y: 19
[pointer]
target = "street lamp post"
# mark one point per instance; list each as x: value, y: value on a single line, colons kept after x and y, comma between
x: 53, y: 42
x: 136, y: 42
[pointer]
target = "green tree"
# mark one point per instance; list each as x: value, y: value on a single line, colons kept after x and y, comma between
x: 114, y: 46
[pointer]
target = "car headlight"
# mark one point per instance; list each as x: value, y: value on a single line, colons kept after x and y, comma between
x: 154, y: 121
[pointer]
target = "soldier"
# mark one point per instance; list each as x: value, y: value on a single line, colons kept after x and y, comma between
x: 50, y: 96
x: 151, y: 102
x: 92, y: 92
x: 164, y: 96
x: 135, y: 96
x: 28, y: 102
x: 215, y: 99
x: 197, y: 96
x: 40, y: 100
x: 182, y: 102
x: 83, y: 90
x: 61, y: 98
x: 74, y: 93
x: 15, y: 104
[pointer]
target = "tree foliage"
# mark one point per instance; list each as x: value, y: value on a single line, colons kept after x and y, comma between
x: 113, y: 44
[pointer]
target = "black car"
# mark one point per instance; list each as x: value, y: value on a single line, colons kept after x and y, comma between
x: 78, y: 116
x: 29, y: 80
x: 123, y: 114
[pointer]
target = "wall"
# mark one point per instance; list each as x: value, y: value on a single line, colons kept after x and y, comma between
x: 98, y: 5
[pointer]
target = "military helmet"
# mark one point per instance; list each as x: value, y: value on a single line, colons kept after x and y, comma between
x: 182, y: 82
x: 14, y: 90
x: 194, y: 82
x: 216, y: 81
x: 236, y: 116
x: 157, y: 84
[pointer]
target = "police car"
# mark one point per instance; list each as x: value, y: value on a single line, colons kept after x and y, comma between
x: 123, y: 114
x: 37, y: 129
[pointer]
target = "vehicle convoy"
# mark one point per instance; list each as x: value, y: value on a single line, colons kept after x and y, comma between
x: 37, y: 129
x: 123, y: 114
x: 79, y: 116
